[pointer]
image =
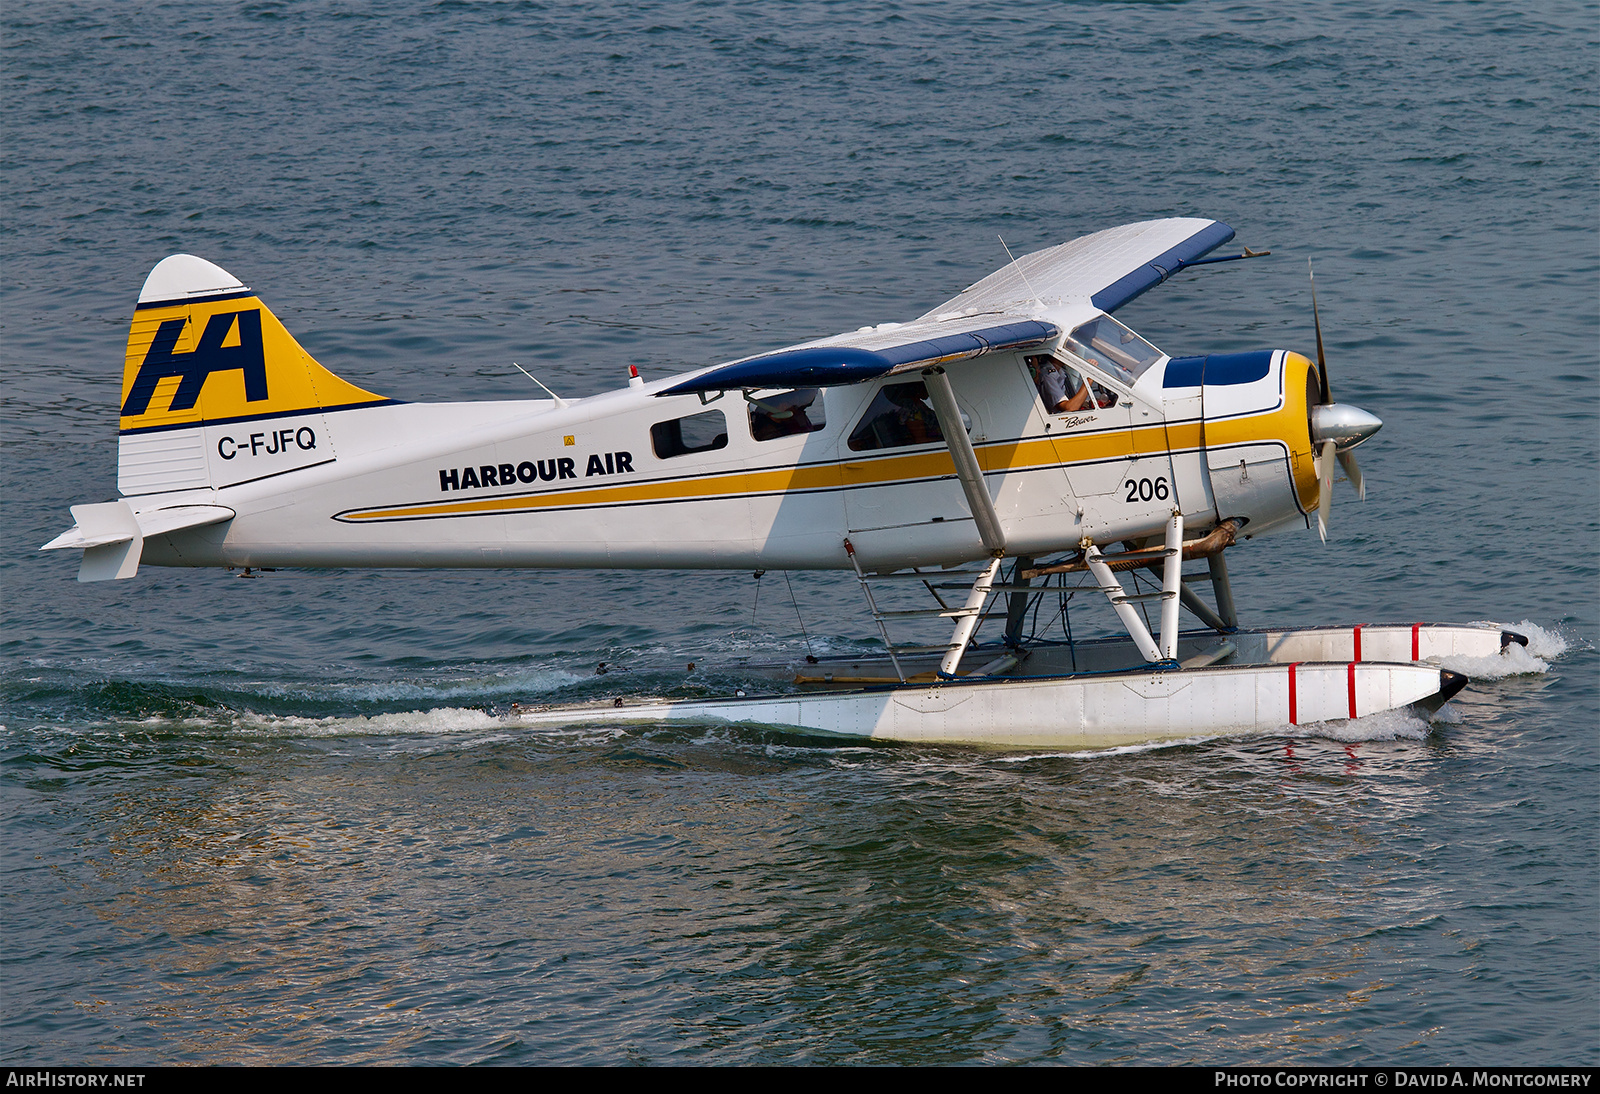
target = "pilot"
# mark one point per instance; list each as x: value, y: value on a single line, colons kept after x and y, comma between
x: 1055, y: 380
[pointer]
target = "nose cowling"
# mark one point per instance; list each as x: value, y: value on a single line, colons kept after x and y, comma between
x: 1345, y: 425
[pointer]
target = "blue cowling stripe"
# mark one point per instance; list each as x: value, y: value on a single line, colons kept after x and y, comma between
x: 830, y: 366
x: 1158, y: 269
x: 1218, y: 369
x: 1184, y: 372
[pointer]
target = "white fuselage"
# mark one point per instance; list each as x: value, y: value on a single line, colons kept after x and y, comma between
x: 585, y: 484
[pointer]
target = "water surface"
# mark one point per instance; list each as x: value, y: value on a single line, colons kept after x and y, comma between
x: 282, y: 820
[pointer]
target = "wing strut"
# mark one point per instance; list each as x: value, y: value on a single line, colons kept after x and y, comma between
x: 966, y: 460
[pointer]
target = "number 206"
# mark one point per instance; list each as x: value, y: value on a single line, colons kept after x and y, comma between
x: 1146, y: 490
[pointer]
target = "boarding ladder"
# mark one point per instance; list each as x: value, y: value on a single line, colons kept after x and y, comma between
x: 966, y: 617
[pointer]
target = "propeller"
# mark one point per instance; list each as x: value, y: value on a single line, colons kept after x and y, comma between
x: 1336, y: 429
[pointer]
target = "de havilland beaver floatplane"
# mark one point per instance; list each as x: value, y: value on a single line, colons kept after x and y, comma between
x: 1013, y: 433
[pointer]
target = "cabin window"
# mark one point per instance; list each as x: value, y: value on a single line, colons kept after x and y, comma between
x: 1107, y: 344
x: 900, y: 415
x: 696, y: 433
x: 1065, y: 390
x: 786, y: 413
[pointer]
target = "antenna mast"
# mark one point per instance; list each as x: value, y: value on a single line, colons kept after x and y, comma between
x: 560, y: 402
x: 1020, y: 274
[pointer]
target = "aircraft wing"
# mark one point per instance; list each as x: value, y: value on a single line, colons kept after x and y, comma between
x: 874, y: 351
x: 1106, y: 269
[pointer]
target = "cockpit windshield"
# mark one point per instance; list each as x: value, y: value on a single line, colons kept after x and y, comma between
x: 1108, y: 344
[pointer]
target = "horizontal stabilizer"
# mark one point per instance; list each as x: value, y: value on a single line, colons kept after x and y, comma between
x: 111, y: 535
x: 158, y: 522
x: 89, y: 532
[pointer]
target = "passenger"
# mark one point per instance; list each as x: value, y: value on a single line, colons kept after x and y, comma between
x: 784, y: 415
x: 914, y: 421
x: 898, y: 416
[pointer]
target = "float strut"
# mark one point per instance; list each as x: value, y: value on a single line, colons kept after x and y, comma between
x: 1223, y: 590
x: 1192, y: 601
x: 1171, y: 583
x: 1017, y: 605
x: 967, y: 618
x: 1119, y: 600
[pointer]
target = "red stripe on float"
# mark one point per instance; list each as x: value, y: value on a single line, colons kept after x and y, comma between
x: 1415, y: 627
x: 1294, y: 714
x: 1358, y: 643
x: 1352, y: 675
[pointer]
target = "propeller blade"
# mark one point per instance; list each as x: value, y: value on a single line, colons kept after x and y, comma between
x: 1325, y: 493
x: 1332, y: 425
x: 1352, y: 470
x: 1322, y: 358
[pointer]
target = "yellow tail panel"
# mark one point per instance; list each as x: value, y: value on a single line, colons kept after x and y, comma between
x: 217, y: 360
x: 215, y: 392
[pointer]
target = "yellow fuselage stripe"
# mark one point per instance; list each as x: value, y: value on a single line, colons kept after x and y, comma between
x: 1034, y: 454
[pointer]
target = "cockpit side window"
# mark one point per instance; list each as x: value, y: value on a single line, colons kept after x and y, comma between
x: 1064, y: 390
x: 1107, y: 344
x: 899, y: 415
x: 786, y: 413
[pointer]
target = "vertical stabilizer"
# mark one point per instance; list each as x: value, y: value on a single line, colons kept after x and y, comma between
x: 215, y: 391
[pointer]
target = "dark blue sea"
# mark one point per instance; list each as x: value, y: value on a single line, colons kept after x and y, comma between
x: 284, y: 820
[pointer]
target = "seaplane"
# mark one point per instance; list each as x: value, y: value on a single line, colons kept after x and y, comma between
x: 1013, y: 439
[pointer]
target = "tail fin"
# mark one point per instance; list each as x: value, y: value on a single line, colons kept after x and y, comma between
x: 215, y: 392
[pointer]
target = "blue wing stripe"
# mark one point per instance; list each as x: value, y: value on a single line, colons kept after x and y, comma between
x: 1163, y: 266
